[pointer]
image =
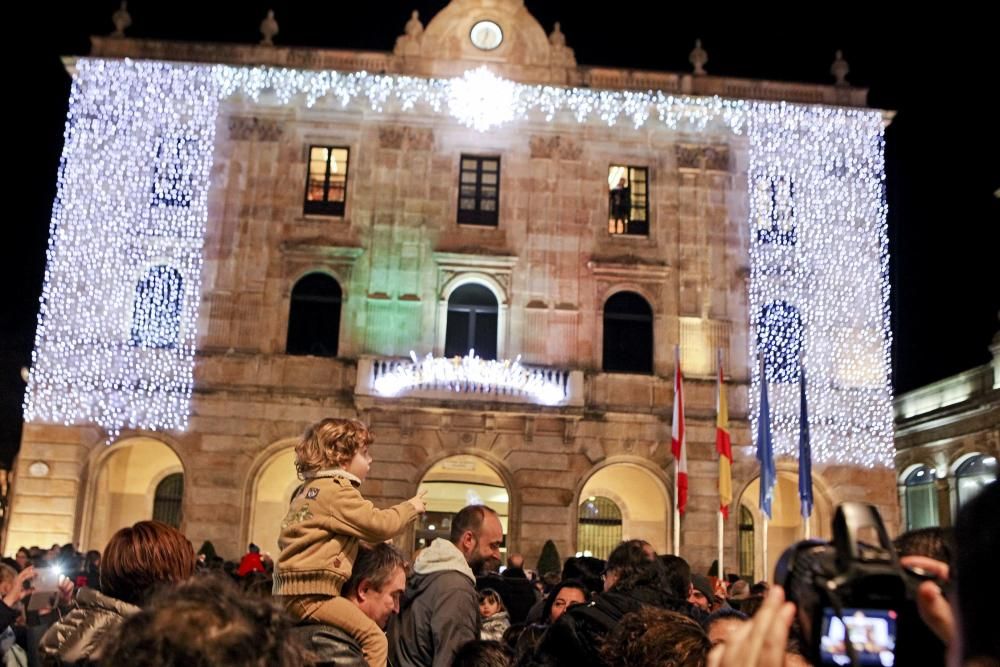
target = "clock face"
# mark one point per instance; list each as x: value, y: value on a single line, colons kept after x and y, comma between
x: 486, y: 35
x: 38, y: 469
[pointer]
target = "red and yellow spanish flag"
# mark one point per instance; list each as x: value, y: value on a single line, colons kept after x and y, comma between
x: 723, y: 446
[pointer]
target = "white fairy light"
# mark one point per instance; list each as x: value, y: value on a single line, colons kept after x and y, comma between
x: 819, y: 281
x: 481, y: 100
x: 473, y: 375
x: 116, y: 332
x: 116, y: 328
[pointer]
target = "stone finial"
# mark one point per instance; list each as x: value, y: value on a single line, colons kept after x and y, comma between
x: 408, y: 44
x: 122, y: 20
x: 839, y: 69
x: 557, y: 38
x: 414, y: 28
x: 268, y: 28
x: 698, y: 58
x: 560, y: 55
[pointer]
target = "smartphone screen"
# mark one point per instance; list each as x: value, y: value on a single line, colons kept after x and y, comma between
x: 872, y: 633
x: 46, y: 580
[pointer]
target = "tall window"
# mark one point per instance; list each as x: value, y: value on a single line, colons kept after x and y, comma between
x: 479, y: 191
x: 173, y: 180
x: 774, y: 199
x: 326, y: 183
x: 472, y: 322
x: 314, y: 317
x: 156, y: 311
x: 599, y: 527
x: 921, y: 499
x: 779, y: 335
x: 168, y: 500
x: 628, y: 334
x: 973, y: 475
x: 746, y: 545
x: 628, y: 200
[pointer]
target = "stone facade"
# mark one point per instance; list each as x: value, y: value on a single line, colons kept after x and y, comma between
x: 397, y: 253
x: 945, y: 423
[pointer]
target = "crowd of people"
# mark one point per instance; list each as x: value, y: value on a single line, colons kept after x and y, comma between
x: 339, y: 593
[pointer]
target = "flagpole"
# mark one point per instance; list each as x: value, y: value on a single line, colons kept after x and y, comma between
x: 677, y: 516
x: 678, y: 449
x: 721, y: 519
x: 766, y: 574
x: 765, y: 454
x: 805, y: 454
x: 722, y: 572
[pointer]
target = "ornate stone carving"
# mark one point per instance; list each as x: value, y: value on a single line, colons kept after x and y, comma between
x: 697, y: 156
x: 555, y: 147
x: 419, y: 138
x: 249, y: 128
x: 411, y: 138
x: 390, y: 136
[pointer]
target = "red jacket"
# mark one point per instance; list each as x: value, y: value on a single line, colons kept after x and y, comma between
x: 250, y: 562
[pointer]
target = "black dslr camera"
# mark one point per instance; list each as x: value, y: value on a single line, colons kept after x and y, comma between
x: 855, y: 603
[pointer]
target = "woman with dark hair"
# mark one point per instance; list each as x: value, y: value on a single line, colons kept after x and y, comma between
x: 137, y: 561
x: 633, y: 578
x: 566, y: 594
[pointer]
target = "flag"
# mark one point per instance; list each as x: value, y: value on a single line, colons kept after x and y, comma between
x: 765, y: 448
x: 678, y: 444
x: 805, y: 451
x: 723, y: 445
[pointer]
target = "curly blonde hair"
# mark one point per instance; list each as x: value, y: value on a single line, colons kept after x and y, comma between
x: 330, y: 443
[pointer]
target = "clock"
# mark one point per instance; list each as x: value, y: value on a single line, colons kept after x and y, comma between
x: 486, y: 35
x: 38, y: 469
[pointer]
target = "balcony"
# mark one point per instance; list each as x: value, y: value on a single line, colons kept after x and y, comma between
x: 468, y: 379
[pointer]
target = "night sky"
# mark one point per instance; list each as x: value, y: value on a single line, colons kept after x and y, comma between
x: 937, y: 72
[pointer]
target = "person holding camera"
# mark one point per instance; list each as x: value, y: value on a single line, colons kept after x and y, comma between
x: 863, y: 577
x: 138, y: 560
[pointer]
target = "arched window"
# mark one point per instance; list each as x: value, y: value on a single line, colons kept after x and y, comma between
x: 920, y: 498
x: 168, y: 500
x: 156, y: 312
x: 599, y: 527
x: 779, y: 336
x: 628, y: 334
x: 314, y: 316
x: 972, y: 475
x: 472, y: 322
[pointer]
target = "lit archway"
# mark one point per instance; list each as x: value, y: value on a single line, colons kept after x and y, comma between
x: 640, y: 497
x: 785, y: 526
x: 453, y: 483
x: 275, y: 483
x: 125, y: 489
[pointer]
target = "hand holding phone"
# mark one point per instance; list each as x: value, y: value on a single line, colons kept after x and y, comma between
x: 45, y: 589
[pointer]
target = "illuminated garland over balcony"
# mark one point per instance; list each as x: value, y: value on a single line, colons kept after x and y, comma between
x: 471, y: 375
x: 116, y: 333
